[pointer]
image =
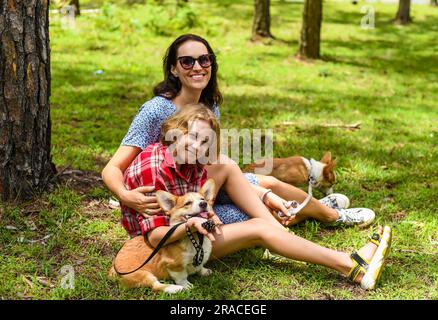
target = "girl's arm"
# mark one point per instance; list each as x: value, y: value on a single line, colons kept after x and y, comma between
x: 195, y: 224
x: 271, y: 200
x: 112, y: 176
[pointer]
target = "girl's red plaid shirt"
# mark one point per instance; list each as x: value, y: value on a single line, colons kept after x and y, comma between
x: 155, y: 166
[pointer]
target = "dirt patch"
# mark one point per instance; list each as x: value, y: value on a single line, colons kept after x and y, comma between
x: 399, y: 216
x: 80, y: 181
x: 100, y: 209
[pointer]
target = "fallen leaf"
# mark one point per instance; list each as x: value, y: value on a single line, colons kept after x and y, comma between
x: 27, y: 281
x: 45, y: 282
x: 23, y: 295
x: 113, y: 204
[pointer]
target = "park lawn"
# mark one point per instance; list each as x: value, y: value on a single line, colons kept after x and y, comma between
x: 105, y: 69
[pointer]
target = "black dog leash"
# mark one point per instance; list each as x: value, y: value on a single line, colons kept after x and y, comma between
x: 199, y: 256
x: 158, y: 247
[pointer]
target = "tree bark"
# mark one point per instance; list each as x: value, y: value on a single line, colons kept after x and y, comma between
x: 311, y: 30
x: 261, y: 26
x: 25, y: 161
x: 76, y: 4
x: 403, y: 15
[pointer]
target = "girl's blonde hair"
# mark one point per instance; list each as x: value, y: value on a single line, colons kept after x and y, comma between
x: 181, y: 119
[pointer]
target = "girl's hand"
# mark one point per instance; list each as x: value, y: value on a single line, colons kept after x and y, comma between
x: 196, y: 222
x: 143, y: 204
x: 216, y: 220
x: 277, y: 203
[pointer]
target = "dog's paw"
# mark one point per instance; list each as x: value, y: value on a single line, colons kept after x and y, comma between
x: 184, y: 283
x: 173, y: 288
x: 205, y: 272
x: 188, y: 285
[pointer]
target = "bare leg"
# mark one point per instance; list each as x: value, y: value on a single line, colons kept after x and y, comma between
x: 314, y: 208
x: 239, y: 190
x: 256, y: 232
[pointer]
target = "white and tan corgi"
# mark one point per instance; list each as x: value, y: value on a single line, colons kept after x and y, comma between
x: 295, y: 170
x: 173, y: 260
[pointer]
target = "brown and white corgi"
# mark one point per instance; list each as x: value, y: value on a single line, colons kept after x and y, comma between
x: 295, y: 170
x: 173, y: 260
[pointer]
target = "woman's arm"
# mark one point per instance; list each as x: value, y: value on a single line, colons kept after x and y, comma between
x: 112, y: 176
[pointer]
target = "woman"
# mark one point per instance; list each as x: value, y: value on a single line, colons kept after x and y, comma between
x: 175, y: 165
x: 190, y: 76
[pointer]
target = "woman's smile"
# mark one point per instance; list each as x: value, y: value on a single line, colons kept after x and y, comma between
x: 198, y: 76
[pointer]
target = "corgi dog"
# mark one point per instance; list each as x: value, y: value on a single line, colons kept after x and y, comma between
x: 173, y: 260
x: 296, y: 170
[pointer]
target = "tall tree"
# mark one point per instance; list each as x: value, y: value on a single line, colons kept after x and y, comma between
x: 261, y: 26
x: 311, y: 30
x: 77, y: 7
x: 403, y: 15
x: 26, y: 167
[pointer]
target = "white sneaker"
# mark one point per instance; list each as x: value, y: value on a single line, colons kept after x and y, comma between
x: 356, y: 216
x: 336, y: 201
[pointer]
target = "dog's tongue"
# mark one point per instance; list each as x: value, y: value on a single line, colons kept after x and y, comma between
x: 204, y: 215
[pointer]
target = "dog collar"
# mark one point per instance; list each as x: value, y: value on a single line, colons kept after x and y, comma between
x: 311, y: 165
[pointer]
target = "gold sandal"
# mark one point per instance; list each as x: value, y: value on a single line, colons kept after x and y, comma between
x: 372, y: 269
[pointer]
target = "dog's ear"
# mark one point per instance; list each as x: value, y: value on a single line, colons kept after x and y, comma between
x: 327, y: 157
x: 208, y: 190
x: 328, y: 172
x: 330, y: 165
x: 166, y: 200
x: 333, y: 162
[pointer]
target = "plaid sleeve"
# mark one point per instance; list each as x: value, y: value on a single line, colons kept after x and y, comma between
x: 149, y: 175
x: 148, y: 224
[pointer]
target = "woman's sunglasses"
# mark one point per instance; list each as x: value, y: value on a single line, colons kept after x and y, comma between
x: 205, y: 61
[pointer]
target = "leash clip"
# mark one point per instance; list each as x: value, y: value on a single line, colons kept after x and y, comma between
x: 294, y: 204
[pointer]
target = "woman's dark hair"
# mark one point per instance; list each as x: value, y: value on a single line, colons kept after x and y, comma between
x: 171, y: 85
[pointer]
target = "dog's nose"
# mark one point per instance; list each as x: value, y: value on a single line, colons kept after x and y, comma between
x: 203, y: 205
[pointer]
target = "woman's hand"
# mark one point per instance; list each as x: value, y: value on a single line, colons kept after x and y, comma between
x: 143, y: 204
x: 196, y: 222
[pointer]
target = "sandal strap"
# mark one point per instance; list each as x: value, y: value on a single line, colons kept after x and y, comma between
x: 360, y: 264
x: 375, y: 238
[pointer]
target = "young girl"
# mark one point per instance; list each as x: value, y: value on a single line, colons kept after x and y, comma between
x: 172, y: 165
x: 190, y: 76
x: 176, y: 166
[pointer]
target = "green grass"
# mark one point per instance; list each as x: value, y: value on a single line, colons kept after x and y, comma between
x: 385, y: 78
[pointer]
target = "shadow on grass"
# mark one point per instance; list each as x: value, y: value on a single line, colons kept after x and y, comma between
x: 406, y: 52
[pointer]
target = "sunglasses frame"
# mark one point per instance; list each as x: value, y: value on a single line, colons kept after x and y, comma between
x: 211, y: 56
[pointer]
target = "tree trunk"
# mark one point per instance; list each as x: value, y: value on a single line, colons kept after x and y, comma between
x: 76, y: 4
x: 434, y: 3
x: 26, y: 167
x: 311, y: 30
x: 403, y: 15
x: 261, y: 26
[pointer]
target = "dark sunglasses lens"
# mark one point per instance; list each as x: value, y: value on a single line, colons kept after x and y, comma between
x: 187, y: 62
x: 205, y: 61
